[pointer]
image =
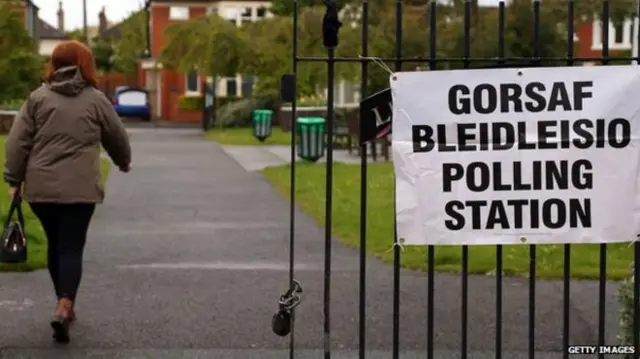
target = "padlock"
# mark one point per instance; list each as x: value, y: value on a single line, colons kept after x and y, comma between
x: 281, y: 323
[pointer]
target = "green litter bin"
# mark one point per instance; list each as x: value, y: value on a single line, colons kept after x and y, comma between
x: 311, y: 132
x: 261, y: 121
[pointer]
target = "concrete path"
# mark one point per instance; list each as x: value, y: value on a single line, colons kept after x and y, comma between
x: 188, y: 256
x: 255, y: 158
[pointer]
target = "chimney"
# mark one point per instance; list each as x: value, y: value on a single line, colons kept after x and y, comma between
x: 102, y: 25
x: 60, y: 16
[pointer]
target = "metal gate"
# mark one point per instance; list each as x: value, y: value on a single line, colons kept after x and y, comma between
x: 369, y: 128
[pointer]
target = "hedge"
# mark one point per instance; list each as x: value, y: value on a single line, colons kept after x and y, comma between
x: 196, y: 102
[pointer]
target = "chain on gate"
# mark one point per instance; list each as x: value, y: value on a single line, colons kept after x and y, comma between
x: 281, y: 321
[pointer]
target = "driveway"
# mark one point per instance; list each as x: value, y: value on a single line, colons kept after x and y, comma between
x: 188, y: 256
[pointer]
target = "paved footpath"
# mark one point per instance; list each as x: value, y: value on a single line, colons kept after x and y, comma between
x: 187, y: 258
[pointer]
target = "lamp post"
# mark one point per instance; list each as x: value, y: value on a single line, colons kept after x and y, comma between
x: 147, y: 8
x: 84, y: 22
x: 634, y: 37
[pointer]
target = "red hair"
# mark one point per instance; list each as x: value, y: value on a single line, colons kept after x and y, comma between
x: 73, y: 53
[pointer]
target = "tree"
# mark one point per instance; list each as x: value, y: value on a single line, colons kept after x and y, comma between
x: 20, y: 66
x: 519, y: 28
x: 210, y: 44
x: 584, y: 10
x: 269, y: 52
x: 285, y: 7
x: 131, y: 43
x: 587, y: 10
x: 103, y: 53
x: 76, y: 34
x: 382, y: 41
x: 519, y: 17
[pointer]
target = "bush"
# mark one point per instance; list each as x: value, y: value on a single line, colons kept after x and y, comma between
x: 223, y: 101
x: 269, y: 101
x: 191, y: 103
x: 312, y: 101
x: 196, y: 102
x: 238, y: 113
x: 625, y: 298
x: 21, y: 66
x: 11, y: 105
x: 235, y: 114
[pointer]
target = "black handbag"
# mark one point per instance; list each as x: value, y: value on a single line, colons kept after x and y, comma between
x: 14, y: 242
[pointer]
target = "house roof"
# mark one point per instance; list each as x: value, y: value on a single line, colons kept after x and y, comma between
x: 31, y: 3
x: 46, y: 31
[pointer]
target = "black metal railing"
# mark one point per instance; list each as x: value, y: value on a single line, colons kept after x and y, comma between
x: 467, y: 61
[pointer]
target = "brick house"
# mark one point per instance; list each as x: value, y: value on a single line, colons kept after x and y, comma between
x: 48, y: 36
x: 166, y: 87
x: 29, y: 12
x: 590, y: 39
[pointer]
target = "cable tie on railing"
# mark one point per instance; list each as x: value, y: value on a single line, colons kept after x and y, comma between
x: 635, y: 240
x: 399, y: 244
x: 378, y: 61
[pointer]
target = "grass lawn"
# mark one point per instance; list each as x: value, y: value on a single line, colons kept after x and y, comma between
x: 243, y: 136
x: 36, y: 240
x: 310, y: 196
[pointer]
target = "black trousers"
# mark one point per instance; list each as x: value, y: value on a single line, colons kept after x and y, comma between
x: 66, y: 228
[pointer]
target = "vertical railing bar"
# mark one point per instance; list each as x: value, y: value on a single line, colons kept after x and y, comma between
x: 566, y: 280
x: 532, y: 248
x: 363, y: 187
x: 602, y: 281
x: 396, y: 247
x: 292, y: 179
x: 501, y: 53
x: 328, y: 203
x: 430, y: 249
x: 636, y: 245
x: 465, y: 249
x: 636, y: 299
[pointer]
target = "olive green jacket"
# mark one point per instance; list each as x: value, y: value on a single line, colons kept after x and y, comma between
x: 53, y: 147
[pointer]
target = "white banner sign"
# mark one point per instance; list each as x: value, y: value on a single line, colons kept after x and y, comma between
x: 507, y: 156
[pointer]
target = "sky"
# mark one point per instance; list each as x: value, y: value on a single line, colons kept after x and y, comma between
x: 116, y: 10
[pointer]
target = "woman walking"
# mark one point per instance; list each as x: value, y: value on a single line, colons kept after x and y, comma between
x: 53, y: 161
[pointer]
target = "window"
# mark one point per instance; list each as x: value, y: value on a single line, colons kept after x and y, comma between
x: 247, y: 86
x: 232, y: 86
x: 349, y: 93
x: 596, y: 35
x: 620, y: 35
x: 246, y: 15
x: 212, y: 10
x: 231, y: 13
x: 618, y: 31
x: 179, y: 13
x: 262, y: 11
x: 192, y: 82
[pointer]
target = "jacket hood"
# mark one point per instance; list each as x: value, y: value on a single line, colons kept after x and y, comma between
x: 68, y: 81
